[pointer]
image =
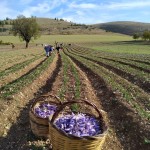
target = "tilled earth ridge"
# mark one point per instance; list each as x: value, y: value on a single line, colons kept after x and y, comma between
x: 15, y: 126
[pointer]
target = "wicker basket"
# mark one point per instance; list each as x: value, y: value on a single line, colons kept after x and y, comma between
x: 39, y: 126
x: 62, y: 141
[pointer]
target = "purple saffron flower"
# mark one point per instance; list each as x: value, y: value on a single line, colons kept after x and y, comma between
x: 44, y: 110
x: 79, y: 125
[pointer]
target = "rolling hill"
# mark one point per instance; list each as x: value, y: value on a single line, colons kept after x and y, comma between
x: 59, y: 26
x: 124, y: 27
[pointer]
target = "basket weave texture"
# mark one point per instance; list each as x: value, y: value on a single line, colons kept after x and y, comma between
x: 63, y: 141
x: 40, y: 126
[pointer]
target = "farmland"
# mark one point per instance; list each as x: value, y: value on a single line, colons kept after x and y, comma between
x: 111, y: 71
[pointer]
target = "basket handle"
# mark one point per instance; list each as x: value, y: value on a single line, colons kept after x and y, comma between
x: 42, y: 97
x: 55, y: 115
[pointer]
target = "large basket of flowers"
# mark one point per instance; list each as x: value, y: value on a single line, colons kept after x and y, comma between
x: 40, y: 110
x: 77, y: 131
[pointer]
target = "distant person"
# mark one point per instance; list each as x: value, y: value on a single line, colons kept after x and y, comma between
x: 46, y: 48
x: 51, y: 48
x: 12, y: 45
x: 58, y: 48
x: 61, y: 44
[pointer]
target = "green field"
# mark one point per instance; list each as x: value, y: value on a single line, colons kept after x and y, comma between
x: 112, y: 71
x: 70, y: 38
x: 122, y: 47
x: 107, y: 43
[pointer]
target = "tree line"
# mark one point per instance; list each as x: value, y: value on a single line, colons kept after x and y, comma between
x: 144, y: 36
x: 6, y: 21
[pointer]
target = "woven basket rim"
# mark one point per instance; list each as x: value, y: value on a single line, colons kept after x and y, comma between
x: 32, y: 108
x: 42, y: 99
x: 61, y: 109
x: 104, y: 128
x: 80, y: 138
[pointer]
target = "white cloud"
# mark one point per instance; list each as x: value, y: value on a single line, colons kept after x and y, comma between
x: 5, y: 11
x: 40, y: 9
x: 87, y: 11
x: 83, y: 5
x: 105, y: 12
x: 127, y: 5
x: 45, y: 8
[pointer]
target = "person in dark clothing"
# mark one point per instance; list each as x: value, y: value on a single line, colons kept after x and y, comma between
x: 58, y: 49
x: 51, y: 48
x: 12, y: 45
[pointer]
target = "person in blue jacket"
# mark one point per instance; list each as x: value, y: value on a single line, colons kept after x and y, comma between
x: 46, y: 48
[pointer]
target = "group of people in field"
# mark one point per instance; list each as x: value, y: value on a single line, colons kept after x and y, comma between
x: 49, y: 49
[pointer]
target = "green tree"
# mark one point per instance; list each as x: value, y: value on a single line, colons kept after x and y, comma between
x: 26, y: 28
x: 136, y: 36
x: 7, y: 18
x: 146, y: 35
x: 2, y: 23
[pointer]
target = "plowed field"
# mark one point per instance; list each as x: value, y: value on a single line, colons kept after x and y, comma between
x: 119, y: 85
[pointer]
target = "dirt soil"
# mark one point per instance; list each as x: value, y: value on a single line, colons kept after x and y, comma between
x: 126, y: 130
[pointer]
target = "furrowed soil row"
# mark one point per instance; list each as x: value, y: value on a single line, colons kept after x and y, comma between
x: 142, y: 83
x: 86, y: 92
x: 145, y: 85
x: 18, y: 66
x: 140, y: 61
x: 142, y: 98
x: 126, y: 129
x: 126, y: 88
x: 18, y: 71
x: 15, y: 130
x: 133, y: 64
x: 70, y: 88
x: 15, y: 127
x: 19, y: 136
x: 143, y: 59
x: 16, y: 57
x: 14, y: 86
x: 128, y: 62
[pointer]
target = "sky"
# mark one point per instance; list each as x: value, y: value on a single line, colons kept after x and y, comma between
x: 78, y: 11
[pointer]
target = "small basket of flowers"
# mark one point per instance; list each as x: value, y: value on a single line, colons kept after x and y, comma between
x: 77, y: 130
x: 40, y: 110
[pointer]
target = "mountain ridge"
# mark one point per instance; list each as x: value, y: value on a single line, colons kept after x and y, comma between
x: 59, y: 26
x: 124, y: 27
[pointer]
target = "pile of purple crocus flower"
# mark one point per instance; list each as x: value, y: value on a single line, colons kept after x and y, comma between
x: 79, y: 125
x: 44, y: 110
